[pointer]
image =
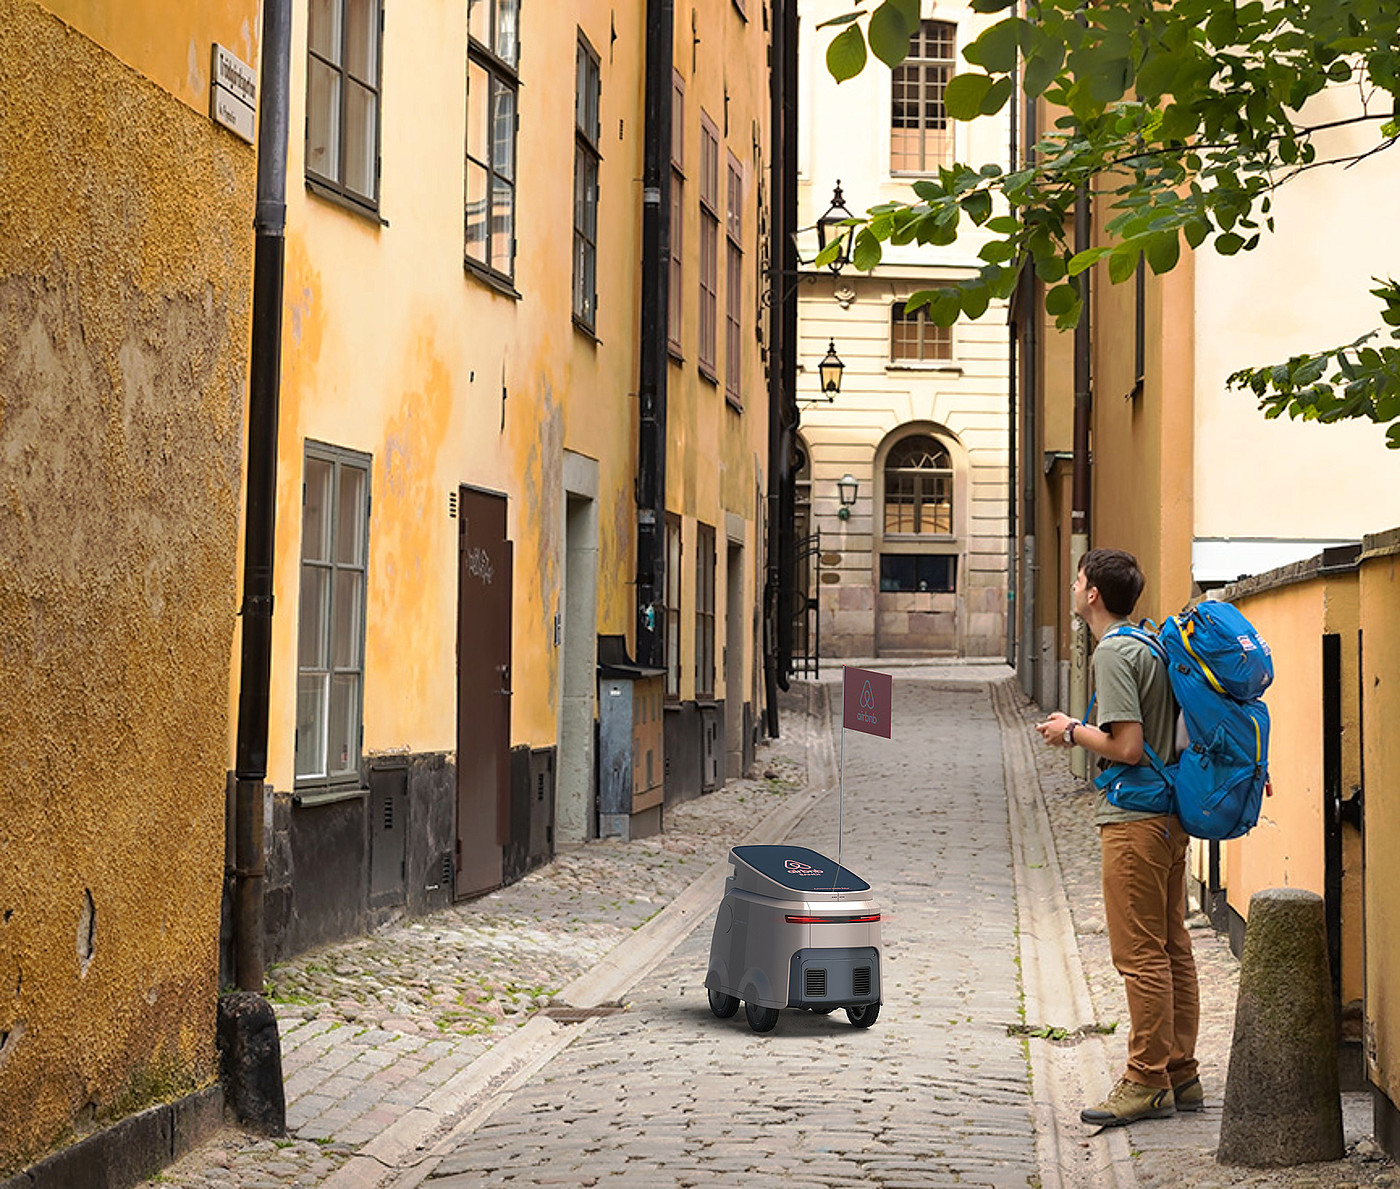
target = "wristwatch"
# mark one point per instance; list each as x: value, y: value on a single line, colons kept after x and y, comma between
x: 1069, y: 732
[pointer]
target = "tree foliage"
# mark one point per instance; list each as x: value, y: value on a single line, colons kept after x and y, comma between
x: 1183, y: 118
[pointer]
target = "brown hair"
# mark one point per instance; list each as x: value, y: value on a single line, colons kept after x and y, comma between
x: 1117, y: 577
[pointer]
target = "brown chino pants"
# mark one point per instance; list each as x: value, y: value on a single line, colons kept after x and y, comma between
x: 1144, y: 893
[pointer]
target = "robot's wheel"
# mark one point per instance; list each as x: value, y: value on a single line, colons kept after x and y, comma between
x: 863, y: 1016
x: 723, y: 1005
x: 761, y: 1019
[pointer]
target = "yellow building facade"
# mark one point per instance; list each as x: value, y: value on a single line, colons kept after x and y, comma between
x: 460, y: 434
x: 125, y: 262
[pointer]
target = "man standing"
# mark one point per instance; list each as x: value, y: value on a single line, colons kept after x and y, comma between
x: 1144, y: 854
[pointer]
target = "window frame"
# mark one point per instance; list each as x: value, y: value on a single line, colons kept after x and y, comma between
x: 920, y: 476
x: 705, y: 564
x: 950, y: 560
x: 588, y: 160
x: 675, y: 298
x: 503, y: 73
x: 927, y: 69
x: 707, y: 347
x: 926, y: 327
x: 734, y: 283
x: 337, y: 188
x: 675, y: 555
x: 338, y: 459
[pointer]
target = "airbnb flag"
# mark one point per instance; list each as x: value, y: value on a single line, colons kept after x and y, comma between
x: 867, y: 700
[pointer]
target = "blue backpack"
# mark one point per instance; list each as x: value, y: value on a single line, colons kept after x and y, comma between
x: 1218, y: 666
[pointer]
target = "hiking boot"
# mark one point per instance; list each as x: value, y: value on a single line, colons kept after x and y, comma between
x: 1189, y: 1095
x: 1128, y: 1103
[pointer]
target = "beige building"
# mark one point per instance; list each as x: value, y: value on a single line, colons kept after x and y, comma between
x: 919, y: 564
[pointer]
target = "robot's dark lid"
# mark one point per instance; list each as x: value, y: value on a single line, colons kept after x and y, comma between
x: 800, y: 869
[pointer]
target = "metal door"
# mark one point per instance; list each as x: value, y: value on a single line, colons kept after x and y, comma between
x: 483, y: 690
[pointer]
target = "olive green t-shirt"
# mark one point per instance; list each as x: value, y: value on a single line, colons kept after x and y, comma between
x: 1131, y: 685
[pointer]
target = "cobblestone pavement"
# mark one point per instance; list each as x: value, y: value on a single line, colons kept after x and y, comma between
x: 664, y: 1094
x: 935, y: 1094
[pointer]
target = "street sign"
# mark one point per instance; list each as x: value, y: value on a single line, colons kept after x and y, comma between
x: 233, y: 94
x: 867, y: 701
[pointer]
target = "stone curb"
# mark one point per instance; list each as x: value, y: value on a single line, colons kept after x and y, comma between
x: 462, y: 1104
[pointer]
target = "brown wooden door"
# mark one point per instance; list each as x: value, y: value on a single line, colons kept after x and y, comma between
x: 483, y: 690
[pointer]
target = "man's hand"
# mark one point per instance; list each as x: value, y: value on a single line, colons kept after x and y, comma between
x: 1052, y: 730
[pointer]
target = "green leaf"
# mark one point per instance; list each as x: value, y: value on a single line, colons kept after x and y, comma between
x: 975, y: 298
x: 1122, y: 263
x: 997, y: 95
x: 844, y: 19
x: 889, y: 34
x: 1050, y: 269
x: 978, y: 206
x: 964, y: 94
x: 1061, y: 299
x: 945, y: 307
x: 990, y: 5
x: 1156, y: 77
x: 845, y: 56
x: 1163, y: 251
x: 997, y: 251
x: 865, y: 255
x: 1196, y: 232
x: 910, y: 9
x: 1228, y: 244
x: 995, y: 51
x: 1085, y: 259
x: 1042, y: 69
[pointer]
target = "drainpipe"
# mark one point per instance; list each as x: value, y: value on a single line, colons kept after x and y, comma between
x: 1012, y: 336
x: 1079, y: 514
x: 264, y: 383
x: 1030, y: 648
x: 782, y: 366
x: 651, y: 385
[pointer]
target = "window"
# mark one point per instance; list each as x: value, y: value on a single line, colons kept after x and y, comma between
x: 925, y: 572
x: 921, y: 134
x: 674, y: 296
x: 344, y: 39
x: 704, y: 611
x: 734, y: 284
x: 673, y: 607
x: 587, y: 86
x: 919, y: 487
x: 709, y: 245
x: 917, y: 338
x: 493, y: 55
x: 331, y: 632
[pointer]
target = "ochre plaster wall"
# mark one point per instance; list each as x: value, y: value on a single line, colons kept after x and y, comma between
x: 1380, y: 681
x: 125, y: 263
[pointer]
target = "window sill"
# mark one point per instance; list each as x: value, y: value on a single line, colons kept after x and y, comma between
x: 733, y: 403
x: 921, y: 538
x: 955, y: 369
x: 329, y: 796
x: 491, y: 280
x: 335, y: 198
x: 675, y: 353
x: 586, y: 331
x: 710, y: 377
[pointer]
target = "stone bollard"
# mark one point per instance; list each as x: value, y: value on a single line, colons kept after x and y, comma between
x: 1283, y: 1105
x: 250, y: 1060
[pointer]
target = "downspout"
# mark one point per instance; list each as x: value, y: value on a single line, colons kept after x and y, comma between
x: 1079, y: 514
x: 264, y: 384
x: 782, y: 361
x: 1012, y: 336
x: 651, y: 373
x: 1030, y: 649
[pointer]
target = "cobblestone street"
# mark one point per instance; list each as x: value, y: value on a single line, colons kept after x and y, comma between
x: 447, y: 1052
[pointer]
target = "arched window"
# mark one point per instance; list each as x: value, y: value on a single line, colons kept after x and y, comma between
x: 919, y: 487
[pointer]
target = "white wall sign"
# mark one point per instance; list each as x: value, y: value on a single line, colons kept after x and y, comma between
x: 233, y: 94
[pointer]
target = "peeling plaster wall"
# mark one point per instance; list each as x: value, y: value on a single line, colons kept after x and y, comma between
x: 125, y: 263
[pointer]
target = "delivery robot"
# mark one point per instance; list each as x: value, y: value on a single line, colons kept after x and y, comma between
x: 794, y: 929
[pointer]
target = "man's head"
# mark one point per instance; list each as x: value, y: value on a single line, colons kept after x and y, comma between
x: 1116, y: 577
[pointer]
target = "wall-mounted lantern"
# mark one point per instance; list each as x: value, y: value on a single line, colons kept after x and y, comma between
x: 846, y: 488
x: 830, y: 227
x: 830, y: 369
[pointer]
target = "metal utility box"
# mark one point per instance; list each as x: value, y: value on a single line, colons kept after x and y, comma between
x: 630, y: 743
x: 794, y: 930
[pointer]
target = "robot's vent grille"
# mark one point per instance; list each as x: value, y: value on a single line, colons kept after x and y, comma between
x: 816, y: 983
x: 860, y: 981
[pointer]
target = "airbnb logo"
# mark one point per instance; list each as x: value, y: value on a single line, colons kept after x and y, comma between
x: 869, y: 709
